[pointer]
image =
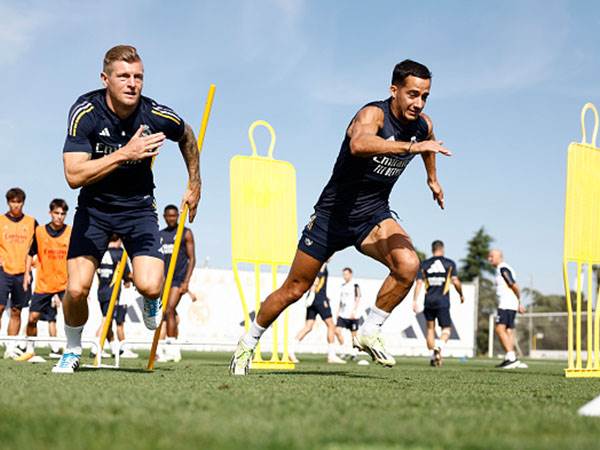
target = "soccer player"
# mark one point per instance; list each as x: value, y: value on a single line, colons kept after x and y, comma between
x: 16, y: 237
x: 319, y: 306
x: 112, y: 136
x: 106, y: 281
x: 354, y: 209
x: 50, y: 244
x: 509, y: 302
x: 349, y: 310
x: 437, y: 273
x: 184, y: 267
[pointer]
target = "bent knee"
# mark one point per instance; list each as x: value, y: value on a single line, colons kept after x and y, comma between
x: 78, y: 292
x: 296, y: 289
x: 150, y: 289
x: 405, y: 269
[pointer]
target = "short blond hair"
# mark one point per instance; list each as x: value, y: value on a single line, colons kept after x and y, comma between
x: 127, y: 53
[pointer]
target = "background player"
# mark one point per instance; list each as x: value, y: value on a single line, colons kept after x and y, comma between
x: 437, y: 273
x: 106, y: 281
x: 354, y: 209
x: 50, y: 244
x: 509, y: 302
x: 113, y: 133
x: 15, y: 241
x: 184, y: 267
x: 349, y: 310
x: 319, y: 305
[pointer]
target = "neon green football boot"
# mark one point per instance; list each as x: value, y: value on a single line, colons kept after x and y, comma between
x: 241, y: 359
x: 373, y: 345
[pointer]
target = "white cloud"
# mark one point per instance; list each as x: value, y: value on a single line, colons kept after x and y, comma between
x: 18, y: 29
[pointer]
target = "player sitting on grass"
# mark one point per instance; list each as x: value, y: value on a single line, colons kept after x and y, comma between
x: 112, y: 136
x: 354, y: 210
x: 50, y: 244
x: 509, y: 302
x: 15, y: 241
x: 106, y: 281
x: 437, y: 273
x: 317, y: 303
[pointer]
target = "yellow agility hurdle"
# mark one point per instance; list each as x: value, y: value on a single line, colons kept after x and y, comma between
x: 582, y: 247
x: 179, y: 234
x: 263, y: 229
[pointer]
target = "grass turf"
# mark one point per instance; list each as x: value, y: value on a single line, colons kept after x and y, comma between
x: 196, y: 404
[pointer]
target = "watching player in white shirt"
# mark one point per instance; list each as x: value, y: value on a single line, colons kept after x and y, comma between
x: 348, y: 312
x: 509, y: 302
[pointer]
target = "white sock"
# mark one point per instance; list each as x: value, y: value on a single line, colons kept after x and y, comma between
x: 510, y: 356
x: 253, y: 335
x: 331, y: 350
x: 30, y: 345
x: 113, y: 347
x: 73, y: 335
x: 374, y: 321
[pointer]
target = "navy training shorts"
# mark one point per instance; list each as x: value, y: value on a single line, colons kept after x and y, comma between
x: 350, y: 324
x: 441, y: 314
x: 93, y: 227
x: 506, y: 317
x: 324, y: 235
x: 319, y: 308
x: 42, y: 303
x: 12, y: 286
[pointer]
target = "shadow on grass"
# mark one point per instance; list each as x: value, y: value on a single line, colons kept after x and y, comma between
x: 325, y: 373
x: 124, y: 369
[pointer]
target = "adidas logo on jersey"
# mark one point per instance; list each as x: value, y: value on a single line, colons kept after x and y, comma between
x: 437, y: 267
x: 105, y: 132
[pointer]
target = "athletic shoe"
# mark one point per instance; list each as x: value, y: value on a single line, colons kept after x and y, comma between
x: 241, y: 359
x: 437, y: 357
x: 13, y: 352
x: 128, y: 354
x: 335, y: 359
x: 506, y: 364
x: 293, y: 358
x: 374, y: 347
x: 36, y: 359
x: 54, y: 355
x: 24, y: 357
x: 432, y: 362
x: 522, y: 365
x: 68, y: 363
x: 152, y: 313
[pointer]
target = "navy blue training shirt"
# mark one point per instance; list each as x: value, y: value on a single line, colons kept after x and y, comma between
x: 437, y: 273
x: 321, y: 294
x: 167, y: 242
x: 360, y: 187
x: 93, y: 128
x: 108, y: 266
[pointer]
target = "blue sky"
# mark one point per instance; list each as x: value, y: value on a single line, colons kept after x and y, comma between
x: 509, y: 81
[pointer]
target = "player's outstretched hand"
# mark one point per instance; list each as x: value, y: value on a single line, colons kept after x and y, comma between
x: 141, y: 147
x: 192, y: 198
x: 521, y: 308
x: 430, y: 147
x: 438, y: 192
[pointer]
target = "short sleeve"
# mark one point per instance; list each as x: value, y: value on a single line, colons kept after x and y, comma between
x: 507, y: 275
x: 79, y: 128
x: 168, y: 121
x: 454, y: 272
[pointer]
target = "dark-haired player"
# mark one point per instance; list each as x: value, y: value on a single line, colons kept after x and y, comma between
x: 16, y: 236
x: 50, y: 244
x: 354, y: 210
x: 437, y: 273
x: 184, y: 267
x: 112, y: 136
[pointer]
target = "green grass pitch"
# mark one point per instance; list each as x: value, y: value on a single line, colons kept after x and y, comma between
x: 196, y: 404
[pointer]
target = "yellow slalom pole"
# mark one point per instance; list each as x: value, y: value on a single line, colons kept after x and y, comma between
x: 182, y: 219
x: 589, y: 319
x: 117, y: 277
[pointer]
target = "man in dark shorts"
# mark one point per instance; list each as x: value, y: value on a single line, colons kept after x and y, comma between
x: 106, y: 281
x: 15, y: 241
x: 50, y: 244
x: 509, y: 303
x: 112, y: 136
x: 184, y: 267
x: 318, y: 305
x: 354, y: 210
x: 437, y: 273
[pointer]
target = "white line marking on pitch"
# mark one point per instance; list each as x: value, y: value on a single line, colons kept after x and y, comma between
x: 591, y: 409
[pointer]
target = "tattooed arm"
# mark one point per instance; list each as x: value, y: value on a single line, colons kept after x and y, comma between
x: 189, y: 151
